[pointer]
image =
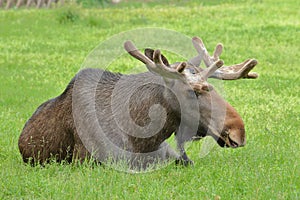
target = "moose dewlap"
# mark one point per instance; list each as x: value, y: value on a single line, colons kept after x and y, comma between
x: 112, y: 116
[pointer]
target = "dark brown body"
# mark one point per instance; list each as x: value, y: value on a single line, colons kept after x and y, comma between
x: 51, y: 134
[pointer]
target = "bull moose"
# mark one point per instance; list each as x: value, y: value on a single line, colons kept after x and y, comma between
x: 128, y: 117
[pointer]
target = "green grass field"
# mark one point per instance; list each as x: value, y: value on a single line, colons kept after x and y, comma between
x: 41, y: 50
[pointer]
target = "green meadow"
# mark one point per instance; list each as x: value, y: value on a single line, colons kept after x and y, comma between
x: 41, y: 51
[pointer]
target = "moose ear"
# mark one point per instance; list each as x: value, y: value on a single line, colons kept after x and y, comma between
x: 149, y: 53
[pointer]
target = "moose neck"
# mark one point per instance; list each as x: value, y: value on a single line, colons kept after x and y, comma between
x: 141, y: 110
x: 125, y: 109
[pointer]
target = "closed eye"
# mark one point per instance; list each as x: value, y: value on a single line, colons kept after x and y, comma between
x: 210, y: 88
x: 207, y: 88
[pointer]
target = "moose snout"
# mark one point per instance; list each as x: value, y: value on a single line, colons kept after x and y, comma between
x: 233, y: 132
x: 234, y: 137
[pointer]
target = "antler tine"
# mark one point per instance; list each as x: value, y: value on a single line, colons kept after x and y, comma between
x: 165, y: 71
x: 158, y: 65
x: 218, y: 51
x: 203, y: 53
x: 134, y: 52
x: 211, y: 69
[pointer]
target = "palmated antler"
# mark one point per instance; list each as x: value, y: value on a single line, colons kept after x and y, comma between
x: 232, y: 72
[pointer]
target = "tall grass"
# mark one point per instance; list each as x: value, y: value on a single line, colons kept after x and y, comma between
x: 41, y: 50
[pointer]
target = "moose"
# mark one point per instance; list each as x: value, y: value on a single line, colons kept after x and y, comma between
x: 128, y: 117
